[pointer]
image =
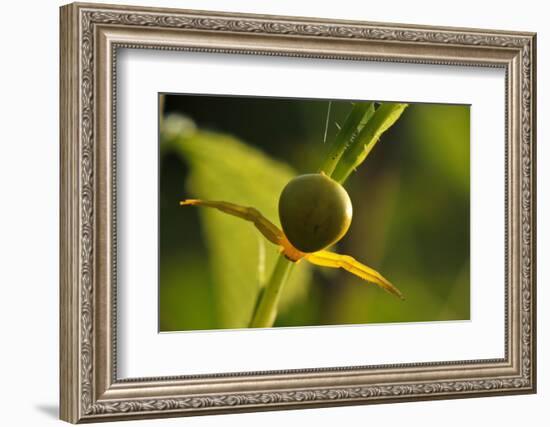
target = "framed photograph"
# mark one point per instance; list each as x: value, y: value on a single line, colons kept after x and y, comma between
x: 266, y: 212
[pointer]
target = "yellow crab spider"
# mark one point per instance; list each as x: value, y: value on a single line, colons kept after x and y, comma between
x: 315, y: 212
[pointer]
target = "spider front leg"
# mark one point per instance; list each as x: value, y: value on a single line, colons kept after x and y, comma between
x: 269, y: 230
x: 350, y: 264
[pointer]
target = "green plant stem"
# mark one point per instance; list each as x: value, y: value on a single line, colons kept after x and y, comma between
x: 266, y: 311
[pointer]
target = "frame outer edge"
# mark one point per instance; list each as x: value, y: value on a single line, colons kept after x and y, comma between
x: 68, y: 226
x: 533, y: 125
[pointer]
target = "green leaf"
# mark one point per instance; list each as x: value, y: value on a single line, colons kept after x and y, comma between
x: 356, y: 120
x: 224, y: 168
x: 184, y: 298
x: 382, y: 119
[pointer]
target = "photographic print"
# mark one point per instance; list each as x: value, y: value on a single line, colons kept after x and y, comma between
x: 282, y: 212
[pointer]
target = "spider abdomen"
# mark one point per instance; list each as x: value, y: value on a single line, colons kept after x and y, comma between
x: 315, y: 212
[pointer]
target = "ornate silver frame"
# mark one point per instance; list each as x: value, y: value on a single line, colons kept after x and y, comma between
x: 90, y: 36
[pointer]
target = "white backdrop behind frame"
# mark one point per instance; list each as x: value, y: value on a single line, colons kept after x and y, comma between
x: 144, y: 352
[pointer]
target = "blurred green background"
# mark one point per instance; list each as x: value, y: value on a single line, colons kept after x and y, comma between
x: 411, y: 200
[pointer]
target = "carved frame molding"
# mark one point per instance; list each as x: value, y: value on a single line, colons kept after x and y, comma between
x: 90, y: 37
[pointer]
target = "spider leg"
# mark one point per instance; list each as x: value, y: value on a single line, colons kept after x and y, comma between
x: 270, y: 231
x: 348, y: 263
